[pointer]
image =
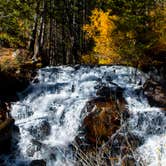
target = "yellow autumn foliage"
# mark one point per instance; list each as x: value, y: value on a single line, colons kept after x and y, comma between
x: 100, y: 30
x: 89, y: 59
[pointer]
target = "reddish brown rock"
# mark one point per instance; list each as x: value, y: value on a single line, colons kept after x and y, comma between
x: 104, y: 119
x: 155, y: 92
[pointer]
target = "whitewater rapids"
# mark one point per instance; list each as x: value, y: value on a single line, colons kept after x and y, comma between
x: 50, y: 113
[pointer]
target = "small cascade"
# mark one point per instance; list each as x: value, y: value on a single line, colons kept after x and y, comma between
x: 50, y: 112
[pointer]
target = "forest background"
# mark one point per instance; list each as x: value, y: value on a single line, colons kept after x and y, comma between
x: 53, y: 32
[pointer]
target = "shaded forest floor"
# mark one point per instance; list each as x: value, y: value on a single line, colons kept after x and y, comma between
x: 15, y: 73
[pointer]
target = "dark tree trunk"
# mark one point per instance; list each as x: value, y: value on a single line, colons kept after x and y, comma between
x: 33, y: 42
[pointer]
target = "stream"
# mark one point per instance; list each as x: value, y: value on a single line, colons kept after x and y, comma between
x: 50, y: 112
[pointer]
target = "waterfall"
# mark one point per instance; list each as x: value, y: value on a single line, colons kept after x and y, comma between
x: 51, y: 110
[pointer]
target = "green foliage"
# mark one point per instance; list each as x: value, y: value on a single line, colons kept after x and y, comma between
x: 15, y: 20
x: 6, y: 40
x: 136, y: 32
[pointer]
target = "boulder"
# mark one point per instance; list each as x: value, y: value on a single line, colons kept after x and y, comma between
x: 155, y: 93
x: 103, y: 119
x: 104, y: 116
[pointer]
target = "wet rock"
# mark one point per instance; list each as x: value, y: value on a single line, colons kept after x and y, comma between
x: 33, y: 147
x: 155, y: 92
x: 38, y: 163
x: 108, y: 78
x: 107, y: 92
x: 6, y: 128
x: 124, y: 144
x: 1, y: 161
x: 129, y: 161
x: 11, y: 84
x: 104, y: 91
x: 36, y: 80
x: 103, y: 120
x: 16, y: 129
x: 40, y: 131
x: 156, y: 72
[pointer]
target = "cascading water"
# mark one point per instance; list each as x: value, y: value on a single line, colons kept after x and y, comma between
x: 50, y: 112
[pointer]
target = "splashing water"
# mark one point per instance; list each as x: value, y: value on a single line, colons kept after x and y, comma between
x: 50, y: 113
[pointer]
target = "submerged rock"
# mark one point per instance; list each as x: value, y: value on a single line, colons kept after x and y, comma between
x: 34, y: 147
x: 107, y: 92
x: 41, y: 130
x: 124, y: 144
x: 38, y: 163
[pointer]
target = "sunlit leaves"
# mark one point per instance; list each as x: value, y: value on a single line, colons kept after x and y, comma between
x: 100, y: 30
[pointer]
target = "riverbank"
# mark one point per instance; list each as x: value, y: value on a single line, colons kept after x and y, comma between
x: 16, y: 72
x: 15, y: 76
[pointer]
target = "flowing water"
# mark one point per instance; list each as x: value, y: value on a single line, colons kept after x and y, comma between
x: 50, y: 112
